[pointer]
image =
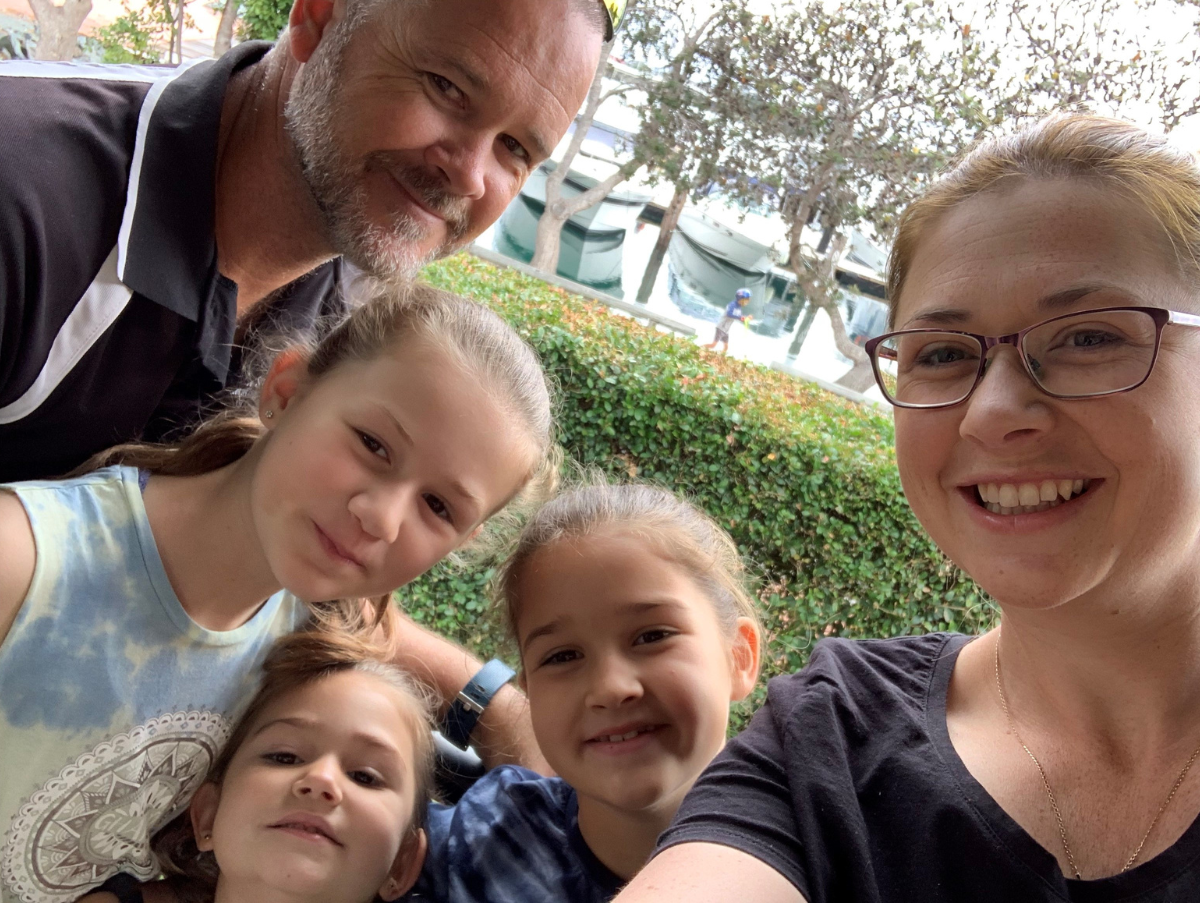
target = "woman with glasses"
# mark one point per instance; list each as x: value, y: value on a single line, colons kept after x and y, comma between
x: 1045, y: 368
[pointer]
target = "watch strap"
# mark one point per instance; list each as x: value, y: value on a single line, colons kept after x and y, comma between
x: 472, y: 700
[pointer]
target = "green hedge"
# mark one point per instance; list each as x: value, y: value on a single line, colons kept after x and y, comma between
x: 804, y: 480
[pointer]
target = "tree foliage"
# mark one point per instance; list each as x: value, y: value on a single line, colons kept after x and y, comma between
x: 803, y: 480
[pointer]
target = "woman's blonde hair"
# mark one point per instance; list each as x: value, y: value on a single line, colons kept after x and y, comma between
x: 295, y: 662
x: 473, y: 337
x: 676, y: 529
x: 1136, y: 166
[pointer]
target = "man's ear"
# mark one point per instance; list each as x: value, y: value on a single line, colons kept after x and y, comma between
x: 284, y: 384
x: 203, y: 814
x: 306, y: 25
x: 406, y: 867
x: 745, y: 655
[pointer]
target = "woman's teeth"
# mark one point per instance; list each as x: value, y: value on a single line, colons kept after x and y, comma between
x: 1026, y: 498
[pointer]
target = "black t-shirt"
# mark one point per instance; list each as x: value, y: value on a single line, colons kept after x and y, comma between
x: 846, y: 783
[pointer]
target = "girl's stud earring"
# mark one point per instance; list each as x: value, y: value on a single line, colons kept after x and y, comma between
x: 268, y: 414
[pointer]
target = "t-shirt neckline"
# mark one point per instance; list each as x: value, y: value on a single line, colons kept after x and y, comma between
x: 1026, y: 851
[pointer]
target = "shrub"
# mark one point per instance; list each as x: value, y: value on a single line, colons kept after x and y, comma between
x: 805, y: 481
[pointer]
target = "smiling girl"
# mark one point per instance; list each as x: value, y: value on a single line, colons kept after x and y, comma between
x: 320, y: 793
x: 635, y: 634
x: 137, y: 601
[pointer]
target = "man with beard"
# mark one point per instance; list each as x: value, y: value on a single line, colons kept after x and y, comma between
x: 148, y: 222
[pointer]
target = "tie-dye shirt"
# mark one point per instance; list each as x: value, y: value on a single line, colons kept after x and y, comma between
x: 113, y: 702
x: 512, y: 838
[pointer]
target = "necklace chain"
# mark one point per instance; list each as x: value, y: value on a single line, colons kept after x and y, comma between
x: 1062, y: 831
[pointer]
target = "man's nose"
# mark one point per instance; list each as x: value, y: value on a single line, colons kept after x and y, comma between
x: 463, y: 161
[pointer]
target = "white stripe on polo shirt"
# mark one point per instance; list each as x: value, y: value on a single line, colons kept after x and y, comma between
x: 107, y: 296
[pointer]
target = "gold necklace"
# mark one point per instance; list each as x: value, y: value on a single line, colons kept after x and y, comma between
x: 1062, y: 831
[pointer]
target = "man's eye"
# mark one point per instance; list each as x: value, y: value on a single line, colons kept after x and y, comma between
x: 438, y: 507
x: 444, y: 86
x: 515, y: 147
x: 282, y: 758
x: 371, y: 444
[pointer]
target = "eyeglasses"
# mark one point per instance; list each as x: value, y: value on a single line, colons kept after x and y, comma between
x: 1077, y: 355
x: 616, y: 13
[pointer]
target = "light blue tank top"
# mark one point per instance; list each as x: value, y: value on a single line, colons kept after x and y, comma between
x: 113, y: 702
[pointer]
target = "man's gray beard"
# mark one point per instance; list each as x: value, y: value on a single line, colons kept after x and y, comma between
x: 335, y: 183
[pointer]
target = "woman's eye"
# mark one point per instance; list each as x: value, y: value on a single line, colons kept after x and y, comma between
x: 282, y: 758
x: 943, y: 354
x: 371, y: 444
x: 561, y: 658
x: 438, y: 507
x: 657, y: 635
x: 1091, y: 339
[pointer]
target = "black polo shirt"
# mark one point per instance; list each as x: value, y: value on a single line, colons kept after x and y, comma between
x: 114, y: 320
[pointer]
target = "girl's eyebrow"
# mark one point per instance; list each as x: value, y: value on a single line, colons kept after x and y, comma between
x: 635, y: 608
x: 364, y: 737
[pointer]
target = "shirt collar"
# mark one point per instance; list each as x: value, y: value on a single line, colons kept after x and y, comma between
x: 171, y: 250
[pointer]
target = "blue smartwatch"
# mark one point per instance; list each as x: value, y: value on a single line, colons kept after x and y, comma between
x: 471, y: 701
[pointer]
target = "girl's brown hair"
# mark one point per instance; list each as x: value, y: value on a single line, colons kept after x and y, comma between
x: 295, y: 662
x: 678, y: 530
x: 1136, y: 166
x: 472, y: 336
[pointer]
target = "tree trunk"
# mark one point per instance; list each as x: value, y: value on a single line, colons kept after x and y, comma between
x: 665, y: 231
x: 549, y: 231
x: 549, y: 239
x: 224, y: 39
x: 58, y: 27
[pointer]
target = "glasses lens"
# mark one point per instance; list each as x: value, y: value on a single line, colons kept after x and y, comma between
x: 616, y: 12
x: 929, y: 368
x: 1092, y: 353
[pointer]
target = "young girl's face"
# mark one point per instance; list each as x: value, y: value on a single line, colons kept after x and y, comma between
x: 318, y: 799
x: 378, y: 470
x: 628, y: 671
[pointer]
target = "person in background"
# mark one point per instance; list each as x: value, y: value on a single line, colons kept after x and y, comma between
x: 733, y: 314
x: 151, y: 224
x: 1042, y: 361
x: 635, y: 633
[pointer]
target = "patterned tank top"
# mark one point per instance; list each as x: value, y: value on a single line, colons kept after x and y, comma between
x: 113, y: 702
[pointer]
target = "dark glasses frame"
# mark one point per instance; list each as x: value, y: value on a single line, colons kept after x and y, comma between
x: 1160, y: 315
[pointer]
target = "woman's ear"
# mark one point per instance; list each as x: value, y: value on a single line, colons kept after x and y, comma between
x: 745, y: 659
x: 203, y: 814
x: 284, y: 384
x: 406, y: 867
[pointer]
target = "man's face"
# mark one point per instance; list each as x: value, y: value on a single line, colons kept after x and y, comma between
x: 416, y: 123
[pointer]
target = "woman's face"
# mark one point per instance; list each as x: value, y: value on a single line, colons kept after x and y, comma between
x: 1006, y: 260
